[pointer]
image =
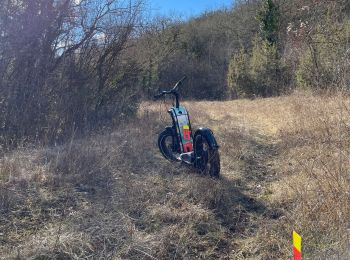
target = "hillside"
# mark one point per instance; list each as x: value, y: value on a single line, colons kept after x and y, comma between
x: 81, y: 176
x: 112, y: 196
x: 87, y: 65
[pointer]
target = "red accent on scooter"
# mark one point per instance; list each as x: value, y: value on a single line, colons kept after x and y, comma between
x: 188, y: 147
x: 187, y: 134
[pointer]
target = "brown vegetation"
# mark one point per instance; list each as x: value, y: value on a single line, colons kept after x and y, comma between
x: 63, y: 68
x: 76, y: 66
x: 69, y: 68
x: 284, y: 167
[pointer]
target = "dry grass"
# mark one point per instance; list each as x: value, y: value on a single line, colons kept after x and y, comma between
x: 315, y: 185
x: 285, y: 166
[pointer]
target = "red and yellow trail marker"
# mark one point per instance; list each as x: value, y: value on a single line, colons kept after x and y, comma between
x: 296, y: 246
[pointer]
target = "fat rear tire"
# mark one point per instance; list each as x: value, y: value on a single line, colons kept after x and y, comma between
x: 208, y: 158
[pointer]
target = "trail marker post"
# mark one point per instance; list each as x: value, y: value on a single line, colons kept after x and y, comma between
x: 296, y: 246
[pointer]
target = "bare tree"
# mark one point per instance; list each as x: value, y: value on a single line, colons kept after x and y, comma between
x: 59, y: 64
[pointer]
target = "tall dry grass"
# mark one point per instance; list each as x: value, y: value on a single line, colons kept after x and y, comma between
x: 110, y: 196
x: 315, y: 185
x: 285, y: 166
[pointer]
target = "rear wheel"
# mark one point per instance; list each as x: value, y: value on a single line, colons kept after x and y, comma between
x: 169, y: 146
x: 208, y: 159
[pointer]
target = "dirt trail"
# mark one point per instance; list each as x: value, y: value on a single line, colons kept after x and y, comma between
x: 249, y: 152
x: 254, y: 175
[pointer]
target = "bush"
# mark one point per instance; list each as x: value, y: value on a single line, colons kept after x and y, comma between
x: 63, y: 71
x: 238, y: 78
x: 264, y: 69
x: 325, y: 63
x: 259, y: 74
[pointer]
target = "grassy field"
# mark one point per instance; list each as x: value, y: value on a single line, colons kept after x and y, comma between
x: 285, y: 167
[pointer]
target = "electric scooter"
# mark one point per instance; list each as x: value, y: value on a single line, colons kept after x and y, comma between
x: 177, y: 143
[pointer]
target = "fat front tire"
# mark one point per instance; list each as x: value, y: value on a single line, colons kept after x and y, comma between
x: 208, y: 158
x: 165, y: 144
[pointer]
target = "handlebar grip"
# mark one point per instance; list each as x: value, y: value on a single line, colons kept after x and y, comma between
x: 183, y: 78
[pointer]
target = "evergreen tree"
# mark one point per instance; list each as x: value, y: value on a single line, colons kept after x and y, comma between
x: 269, y: 19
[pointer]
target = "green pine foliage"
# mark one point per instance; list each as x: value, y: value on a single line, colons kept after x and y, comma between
x: 268, y: 17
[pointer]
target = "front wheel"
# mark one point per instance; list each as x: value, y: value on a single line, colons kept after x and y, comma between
x: 207, y: 157
x: 169, y: 146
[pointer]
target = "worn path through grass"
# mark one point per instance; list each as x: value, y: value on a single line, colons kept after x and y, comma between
x: 250, y: 153
x: 113, y: 196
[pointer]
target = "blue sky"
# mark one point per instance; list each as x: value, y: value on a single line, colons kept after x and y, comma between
x: 185, y: 8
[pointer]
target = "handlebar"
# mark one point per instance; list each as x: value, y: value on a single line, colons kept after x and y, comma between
x: 173, y: 91
x: 179, y: 83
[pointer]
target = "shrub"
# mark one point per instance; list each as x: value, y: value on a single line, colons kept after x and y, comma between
x: 264, y: 68
x: 326, y: 62
x: 259, y: 74
x: 63, y: 68
x: 238, y: 79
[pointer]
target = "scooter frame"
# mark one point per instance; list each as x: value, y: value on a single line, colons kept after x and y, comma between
x: 185, y: 145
